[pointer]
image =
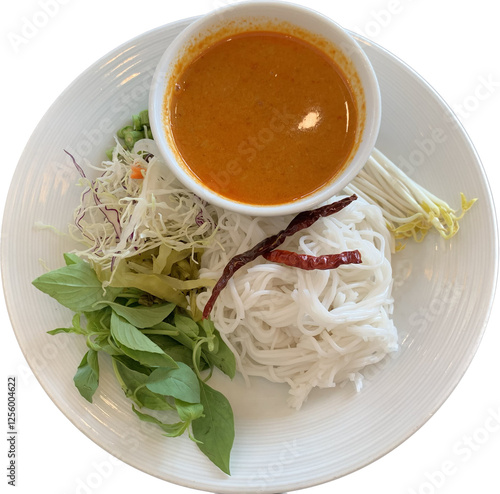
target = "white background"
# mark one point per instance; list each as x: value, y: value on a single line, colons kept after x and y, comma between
x: 453, y: 44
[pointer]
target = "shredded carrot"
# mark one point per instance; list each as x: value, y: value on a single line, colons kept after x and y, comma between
x: 136, y: 172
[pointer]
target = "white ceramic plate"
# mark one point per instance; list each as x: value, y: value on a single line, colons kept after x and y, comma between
x: 443, y: 292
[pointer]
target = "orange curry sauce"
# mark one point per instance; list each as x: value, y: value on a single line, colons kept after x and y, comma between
x: 263, y: 118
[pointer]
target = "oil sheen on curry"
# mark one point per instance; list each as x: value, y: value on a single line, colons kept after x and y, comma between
x: 263, y: 118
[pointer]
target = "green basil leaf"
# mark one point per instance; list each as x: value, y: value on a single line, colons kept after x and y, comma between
x: 214, y: 431
x: 181, y: 383
x: 208, y: 327
x: 188, y: 411
x: 75, y: 286
x: 133, y: 364
x: 133, y: 384
x: 61, y: 330
x: 181, y: 337
x: 142, y: 317
x: 76, y: 328
x: 152, y: 400
x: 101, y: 344
x: 72, y: 259
x: 171, y: 430
x: 178, y: 352
x: 98, y: 320
x: 148, y: 358
x: 223, y: 357
x: 87, y: 375
x: 137, y: 345
x: 186, y: 325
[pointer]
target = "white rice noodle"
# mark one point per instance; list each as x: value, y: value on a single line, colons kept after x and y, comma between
x: 306, y: 328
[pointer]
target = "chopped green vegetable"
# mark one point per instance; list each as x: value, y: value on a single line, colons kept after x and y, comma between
x: 144, y: 118
x: 130, y: 134
x: 123, y: 130
x: 131, y: 137
x: 136, y: 121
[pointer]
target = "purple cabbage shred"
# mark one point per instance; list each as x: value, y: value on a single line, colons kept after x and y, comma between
x: 111, y: 214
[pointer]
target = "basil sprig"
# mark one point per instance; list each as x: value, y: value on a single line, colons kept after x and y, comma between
x: 159, y: 354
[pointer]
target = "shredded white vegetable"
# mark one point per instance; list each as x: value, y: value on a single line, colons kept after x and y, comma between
x: 120, y: 217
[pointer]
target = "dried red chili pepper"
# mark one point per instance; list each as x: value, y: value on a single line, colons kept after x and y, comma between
x: 301, y: 221
x: 303, y: 261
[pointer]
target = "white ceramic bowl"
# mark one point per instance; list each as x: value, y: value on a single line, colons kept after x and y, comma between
x: 281, y: 17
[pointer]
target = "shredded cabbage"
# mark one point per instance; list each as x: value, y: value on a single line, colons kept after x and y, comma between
x: 120, y: 217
